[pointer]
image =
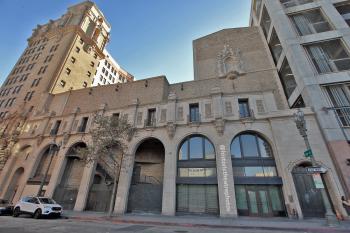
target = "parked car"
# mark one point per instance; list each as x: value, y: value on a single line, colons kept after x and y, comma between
x: 37, y: 207
x: 6, y: 207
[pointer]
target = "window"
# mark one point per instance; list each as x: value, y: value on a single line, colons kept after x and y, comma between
x: 62, y: 83
x: 42, y: 69
x: 83, y: 124
x: 310, y: 22
x: 77, y: 49
x: 72, y: 59
x: 265, y: 22
x: 275, y: 46
x: 151, y: 118
x: 29, y: 96
x: 84, y: 84
x: 194, y: 113
x: 81, y: 41
x: 56, y: 127
x: 68, y: 71
x: 344, y: 10
x: 244, y: 110
x: 339, y: 100
x: 329, y: 56
x: 299, y: 103
x: 88, y: 74
x: 291, y: 3
x: 250, y: 145
x: 196, y: 147
x: 287, y: 79
x: 92, y: 64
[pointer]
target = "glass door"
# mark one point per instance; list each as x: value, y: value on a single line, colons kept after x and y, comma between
x: 259, y: 202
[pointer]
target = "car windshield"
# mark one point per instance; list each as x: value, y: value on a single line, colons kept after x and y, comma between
x: 45, y: 200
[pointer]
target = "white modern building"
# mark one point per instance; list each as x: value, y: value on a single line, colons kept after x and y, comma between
x: 309, y: 41
x: 109, y: 72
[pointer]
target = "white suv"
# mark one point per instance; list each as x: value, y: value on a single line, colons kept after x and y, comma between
x: 37, y: 206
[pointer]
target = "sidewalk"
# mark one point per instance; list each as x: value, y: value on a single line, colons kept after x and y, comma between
x: 283, y: 224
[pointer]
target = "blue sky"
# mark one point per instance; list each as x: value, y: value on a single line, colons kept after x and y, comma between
x: 148, y: 37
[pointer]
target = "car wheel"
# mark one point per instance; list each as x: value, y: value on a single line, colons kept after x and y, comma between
x: 16, y: 212
x: 37, y: 214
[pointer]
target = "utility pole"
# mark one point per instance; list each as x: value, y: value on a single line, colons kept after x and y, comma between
x: 300, y: 122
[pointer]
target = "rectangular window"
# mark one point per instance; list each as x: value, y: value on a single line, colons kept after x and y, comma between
x: 329, y: 56
x: 244, y: 110
x: 88, y: 74
x: 56, y: 127
x: 151, y: 117
x: 310, y: 22
x: 275, y: 46
x: 287, y: 78
x: 291, y: 3
x: 83, y: 124
x: 265, y: 22
x: 77, y: 49
x: 344, y: 10
x: 68, y: 71
x: 194, y: 113
x: 340, y: 102
x: 72, y: 59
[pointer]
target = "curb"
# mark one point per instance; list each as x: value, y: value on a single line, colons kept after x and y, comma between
x: 285, y: 229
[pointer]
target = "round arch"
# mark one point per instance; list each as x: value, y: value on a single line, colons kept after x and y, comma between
x: 12, y: 189
x: 45, y: 161
x: 146, y: 189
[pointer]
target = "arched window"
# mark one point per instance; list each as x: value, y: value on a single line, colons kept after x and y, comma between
x: 196, y: 177
x: 196, y: 147
x: 250, y: 145
x: 255, y: 176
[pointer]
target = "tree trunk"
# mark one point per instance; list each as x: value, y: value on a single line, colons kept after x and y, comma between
x: 115, y: 185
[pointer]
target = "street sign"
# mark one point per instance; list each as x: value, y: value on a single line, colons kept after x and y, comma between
x: 308, y: 153
x: 316, y: 170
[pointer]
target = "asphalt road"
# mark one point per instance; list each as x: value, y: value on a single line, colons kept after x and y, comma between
x: 28, y: 225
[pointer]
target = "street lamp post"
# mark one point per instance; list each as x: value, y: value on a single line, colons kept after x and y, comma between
x: 300, y: 122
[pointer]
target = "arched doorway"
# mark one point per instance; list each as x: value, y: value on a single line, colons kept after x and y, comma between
x: 146, y: 187
x: 100, y: 190
x: 310, y: 196
x: 12, y: 189
x: 66, y: 192
x: 46, y: 164
x: 196, y: 183
x: 258, y: 187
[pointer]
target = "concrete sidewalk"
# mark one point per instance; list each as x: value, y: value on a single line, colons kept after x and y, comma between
x: 282, y: 224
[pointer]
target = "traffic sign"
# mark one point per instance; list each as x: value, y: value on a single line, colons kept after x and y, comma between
x: 308, y: 153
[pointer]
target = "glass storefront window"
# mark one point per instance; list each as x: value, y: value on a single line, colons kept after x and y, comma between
x: 255, y: 171
x: 241, y: 197
x: 250, y: 145
x: 196, y: 172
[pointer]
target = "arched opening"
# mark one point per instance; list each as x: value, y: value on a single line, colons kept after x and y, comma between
x: 146, y: 189
x: 12, y: 189
x: 308, y: 186
x: 196, y: 183
x: 101, y: 189
x: 46, y: 164
x: 258, y: 187
x: 67, y: 190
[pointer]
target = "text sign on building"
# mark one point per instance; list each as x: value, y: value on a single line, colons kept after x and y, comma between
x: 316, y: 170
x: 225, y: 177
x: 318, y: 181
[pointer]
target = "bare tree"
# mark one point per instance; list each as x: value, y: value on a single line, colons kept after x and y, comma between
x: 108, y: 146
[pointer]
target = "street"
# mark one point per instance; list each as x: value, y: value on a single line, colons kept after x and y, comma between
x: 28, y: 225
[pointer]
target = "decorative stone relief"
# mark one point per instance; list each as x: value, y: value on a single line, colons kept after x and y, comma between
x: 179, y: 115
x: 229, y: 63
x: 171, y: 128
x: 139, y: 118
x: 260, y: 106
x: 163, y: 115
x: 228, y: 108
x: 220, y: 126
x: 208, y: 112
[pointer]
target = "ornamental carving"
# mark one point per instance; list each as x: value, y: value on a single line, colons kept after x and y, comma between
x: 229, y: 63
x: 171, y: 128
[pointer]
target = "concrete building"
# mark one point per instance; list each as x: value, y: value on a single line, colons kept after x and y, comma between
x: 309, y: 41
x: 223, y: 144
x: 109, y: 72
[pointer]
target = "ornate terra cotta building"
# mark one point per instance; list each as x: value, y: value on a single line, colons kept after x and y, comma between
x: 224, y: 144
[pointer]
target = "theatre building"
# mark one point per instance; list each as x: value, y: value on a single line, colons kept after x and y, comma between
x: 223, y: 144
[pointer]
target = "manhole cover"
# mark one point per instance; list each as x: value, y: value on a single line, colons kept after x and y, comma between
x: 134, y: 228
